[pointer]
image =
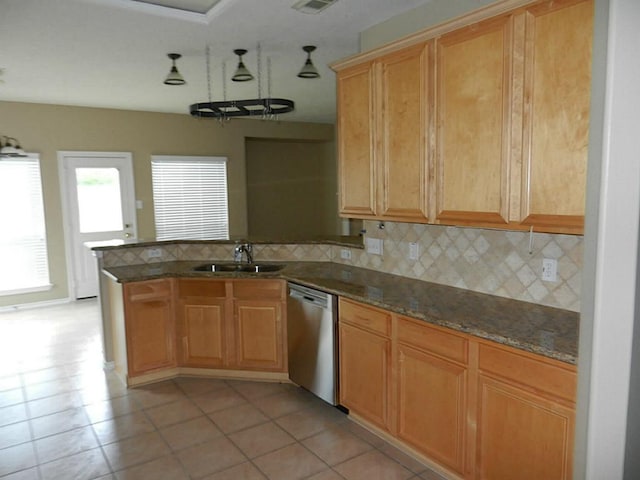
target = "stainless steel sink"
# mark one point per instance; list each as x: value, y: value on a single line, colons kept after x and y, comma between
x: 239, y: 267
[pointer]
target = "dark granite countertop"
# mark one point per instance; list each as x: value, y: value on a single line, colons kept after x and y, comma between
x: 547, y: 331
x: 352, y: 241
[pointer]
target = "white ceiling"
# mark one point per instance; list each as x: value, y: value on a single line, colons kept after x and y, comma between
x: 113, y: 53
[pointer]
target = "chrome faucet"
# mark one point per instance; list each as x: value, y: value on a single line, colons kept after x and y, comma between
x: 241, y: 248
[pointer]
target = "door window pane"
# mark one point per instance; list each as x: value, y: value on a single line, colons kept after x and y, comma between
x: 99, y: 200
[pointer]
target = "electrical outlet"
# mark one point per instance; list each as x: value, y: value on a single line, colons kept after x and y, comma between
x: 549, y: 269
x: 374, y: 246
x: 414, y: 251
x: 345, y: 254
x: 154, y: 253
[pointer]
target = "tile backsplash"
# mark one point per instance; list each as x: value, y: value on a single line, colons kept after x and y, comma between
x: 496, y: 262
x: 488, y: 261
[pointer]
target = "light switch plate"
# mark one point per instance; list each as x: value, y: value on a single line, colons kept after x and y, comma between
x: 414, y: 251
x: 374, y: 246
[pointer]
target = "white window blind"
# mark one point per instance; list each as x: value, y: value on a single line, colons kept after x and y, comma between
x: 24, y: 265
x: 190, y: 197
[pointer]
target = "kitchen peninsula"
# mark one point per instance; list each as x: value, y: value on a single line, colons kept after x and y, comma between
x: 476, y: 355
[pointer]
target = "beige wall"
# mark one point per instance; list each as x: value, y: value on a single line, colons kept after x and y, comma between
x: 425, y: 16
x: 291, y: 189
x: 47, y: 129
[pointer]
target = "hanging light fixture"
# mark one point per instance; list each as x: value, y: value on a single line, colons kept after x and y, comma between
x: 10, y: 148
x: 265, y: 107
x: 174, y: 77
x: 308, y: 69
x: 242, y: 73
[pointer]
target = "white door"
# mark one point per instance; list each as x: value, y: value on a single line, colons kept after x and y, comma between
x: 99, y: 205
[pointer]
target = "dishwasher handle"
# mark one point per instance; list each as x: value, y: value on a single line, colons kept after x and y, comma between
x: 309, y: 296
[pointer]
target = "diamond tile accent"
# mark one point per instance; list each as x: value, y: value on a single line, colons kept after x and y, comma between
x: 489, y: 261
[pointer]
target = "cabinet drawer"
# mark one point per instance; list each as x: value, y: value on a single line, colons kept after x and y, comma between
x: 433, y: 340
x: 364, y: 316
x: 201, y: 288
x: 251, y: 289
x: 543, y: 375
x: 138, y: 291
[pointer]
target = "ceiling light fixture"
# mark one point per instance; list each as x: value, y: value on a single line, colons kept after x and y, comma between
x: 266, y: 107
x: 10, y: 148
x: 242, y: 73
x: 308, y: 69
x: 174, y: 77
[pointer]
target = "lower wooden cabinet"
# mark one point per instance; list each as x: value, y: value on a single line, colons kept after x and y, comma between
x: 525, y: 416
x: 259, y: 324
x: 365, y: 361
x: 364, y: 373
x: 202, y: 307
x: 431, y: 392
x: 205, y: 323
x: 259, y: 334
x: 474, y: 408
x: 150, y: 326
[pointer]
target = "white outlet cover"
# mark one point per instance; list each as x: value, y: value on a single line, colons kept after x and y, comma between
x: 549, y: 269
x: 345, y: 254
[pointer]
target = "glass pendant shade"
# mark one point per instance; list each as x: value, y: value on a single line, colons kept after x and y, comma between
x: 308, y: 69
x: 242, y: 73
x: 174, y: 77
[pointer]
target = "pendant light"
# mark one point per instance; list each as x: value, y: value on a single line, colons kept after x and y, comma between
x: 242, y: 73
x: 308, y: 69
x: 10, y: 148
x: 174, y: 77
x: 268, y: 108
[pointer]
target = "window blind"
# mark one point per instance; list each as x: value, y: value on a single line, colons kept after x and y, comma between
x: 24, y: 264
x: 190, y: 197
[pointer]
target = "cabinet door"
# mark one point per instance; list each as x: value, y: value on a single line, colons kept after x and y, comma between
x: 150, y: 326
x: 401, y: 134
x: 364, y: 374
x: 259, y: 335
x: 473, y: 103
x: 201, y: 320
x: 556, y: 120
x: 522, y: 434
x: 202, y: 333
x: 356, y: 167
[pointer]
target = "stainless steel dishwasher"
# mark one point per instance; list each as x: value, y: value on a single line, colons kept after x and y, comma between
x: 311, y: 331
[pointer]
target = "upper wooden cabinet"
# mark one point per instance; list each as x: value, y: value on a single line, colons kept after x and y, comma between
x: 382, y: 127
x: 483, y: 125
x: 557, y: 74
x: 401, y: 128
x: 356, y: 168
x: 474, y: 104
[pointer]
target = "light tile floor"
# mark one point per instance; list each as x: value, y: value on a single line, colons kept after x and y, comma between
x: 62, y: 417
